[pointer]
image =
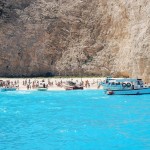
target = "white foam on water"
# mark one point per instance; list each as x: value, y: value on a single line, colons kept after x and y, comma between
x: 57, y: 108
x: 13, y: 93
x: 95, y: 98
x: 3, y: 110
x: 104, y: 97
x: 17, y: 112
x: 24, y: 92
x: 75, y: 131
x: 63, y: 131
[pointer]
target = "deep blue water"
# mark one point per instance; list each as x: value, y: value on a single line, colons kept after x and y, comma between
x: 73, y: 120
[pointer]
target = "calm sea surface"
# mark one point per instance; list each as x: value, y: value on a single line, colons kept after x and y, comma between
x: 73, y: 120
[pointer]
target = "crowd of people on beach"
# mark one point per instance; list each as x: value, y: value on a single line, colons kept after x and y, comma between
x: 29, y: 84
x: 33, y: 83
x: 9, y: 84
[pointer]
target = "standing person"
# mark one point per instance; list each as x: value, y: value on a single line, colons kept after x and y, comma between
x: 88, y: 83
x: 27, y: 86
x: 25, y: 82
x: 29, y: 81
x: 33, y: 85
x: 30, y: 86
x: 81, y: 83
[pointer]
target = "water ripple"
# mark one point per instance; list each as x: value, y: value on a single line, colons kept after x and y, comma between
x: 73, y: 120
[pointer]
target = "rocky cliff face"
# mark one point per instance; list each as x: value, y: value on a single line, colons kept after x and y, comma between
x: 88, y: 37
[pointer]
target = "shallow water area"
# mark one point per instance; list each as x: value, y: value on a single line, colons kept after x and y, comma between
x: 73, y: 120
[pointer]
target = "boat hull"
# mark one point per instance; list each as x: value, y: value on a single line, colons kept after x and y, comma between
x: 8, y: 89
x: 42, y: 89
x: 128, y: 92
x: 73, y: 88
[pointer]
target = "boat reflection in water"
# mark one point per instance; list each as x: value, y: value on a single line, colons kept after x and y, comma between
x: 124, y: 86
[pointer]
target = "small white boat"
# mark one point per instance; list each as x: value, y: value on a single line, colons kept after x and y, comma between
x: 42, y: 86
x: 8, y: 89
x: 124, y: 86
x: 7, y: 86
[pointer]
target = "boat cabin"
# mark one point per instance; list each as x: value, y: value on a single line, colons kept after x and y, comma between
x: 122, y: 83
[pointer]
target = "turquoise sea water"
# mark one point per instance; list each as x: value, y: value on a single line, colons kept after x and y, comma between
x: 73, y: 120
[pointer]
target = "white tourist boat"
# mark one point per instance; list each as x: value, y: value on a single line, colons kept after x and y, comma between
x: 124, y: 86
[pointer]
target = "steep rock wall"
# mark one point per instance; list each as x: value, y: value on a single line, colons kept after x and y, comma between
x: 88, y: 37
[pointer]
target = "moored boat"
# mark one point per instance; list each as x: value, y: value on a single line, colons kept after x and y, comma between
x: 125, y: 86
x: 8, y: 89
x: 8, y: 86
x: 42, y: 86
x: 69, y: 85
x: 42, y: 89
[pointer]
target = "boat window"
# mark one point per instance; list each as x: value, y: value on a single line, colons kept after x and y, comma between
x: 118, y: 83
x: 113, y: 83
x: 138, y: 83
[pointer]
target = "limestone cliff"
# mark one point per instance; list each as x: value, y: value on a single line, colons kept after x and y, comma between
x: 74, y: 37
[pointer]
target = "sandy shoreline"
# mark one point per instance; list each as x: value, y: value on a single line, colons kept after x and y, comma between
x: 93, y: 82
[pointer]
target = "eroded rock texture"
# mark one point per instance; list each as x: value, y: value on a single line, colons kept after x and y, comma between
x: 74, y: 37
